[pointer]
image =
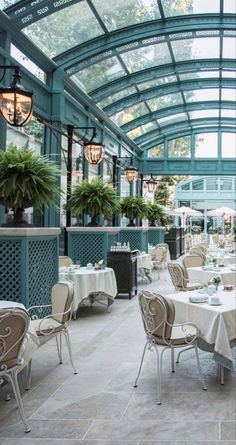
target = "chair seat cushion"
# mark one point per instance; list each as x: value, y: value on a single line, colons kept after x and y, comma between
x: 46, y: 326
x: 182, y: 335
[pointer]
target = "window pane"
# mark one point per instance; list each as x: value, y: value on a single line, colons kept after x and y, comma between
x: 179, y: 147
x: 201, y: 114
x: 157, y: 151
x: 229, y: 47
x: 61, y: 31
x: 228, y: 94
x: 156, y: 82
x: 206, y: 145
x: 199, y: 75
x: 139, y: 131
x: 122, y: 13
x: 228, y: 145
x: 186, y: 186
x: 202, y: 95
x: 129, y: 114
x: 211, y: 184
x: 165, y: 101
x: 102, y: 73
x: 228, y: 113
x: 117, y: 96
x: 172, y: 119
x: 230, y: 6
x: 198, y: 185
x: 225, y: 184
x: 147, y: 57
x: 175, y: 7
x: 201, y: 48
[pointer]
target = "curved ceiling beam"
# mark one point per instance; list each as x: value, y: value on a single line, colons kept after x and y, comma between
x: 160, y: 71
x: 143, y: 34
x: 169, y: 88
x: 173, y: 131
x: 176, y: 109
x: 26, y: 12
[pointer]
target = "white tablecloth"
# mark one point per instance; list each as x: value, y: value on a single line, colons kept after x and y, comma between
x: 223, y: 259
x: 144, y: 261
x: 217, y: 324
x: 199, y: 275
x: 89, y: 281
x: 31, y: 342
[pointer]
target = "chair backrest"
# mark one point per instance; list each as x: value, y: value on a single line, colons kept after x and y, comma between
x: 65, y: 261
x: 62, y: 299
x: 177, y: 275
x: 192, y: 261
x: 160, y: 253
x: 215, y: 238
x: 14, y: 323
x: 158, y: 314
x: 202, y: 247
x: 200, y: 253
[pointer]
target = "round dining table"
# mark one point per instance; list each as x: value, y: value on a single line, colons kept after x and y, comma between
x: 91, y: 283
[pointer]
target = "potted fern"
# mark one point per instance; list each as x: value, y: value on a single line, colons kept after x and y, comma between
x: 133, y: 207
x: 27, y: 179
x: 94, y: 198
x: 155, y: 214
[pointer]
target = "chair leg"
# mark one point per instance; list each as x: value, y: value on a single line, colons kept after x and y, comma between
x: 204, y: 387
x: 28, y: 376
x: 66, y: 333
x: 59, y: 348
x: 159, y: 375
x: 140, y: 366
x: 15, y: 387
x: 172, y: 359
x: 183, y: 350
x: 222, y: 374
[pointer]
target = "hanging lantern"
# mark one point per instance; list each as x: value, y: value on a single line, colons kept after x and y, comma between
x: 151, y: 184
x: 131, y: 173
x: 16, y: 104
x: 94, y: 152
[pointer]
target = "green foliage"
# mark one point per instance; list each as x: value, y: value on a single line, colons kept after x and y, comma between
x: 155, y: 213
x: 133, y: 207
x: 216, y: 280
x: 93, y: 198
x: 34, y: 128
x: 234, y: 231
x: 162, y: 194
x: 27, y: 179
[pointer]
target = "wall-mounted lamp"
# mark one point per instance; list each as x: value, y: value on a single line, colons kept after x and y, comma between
x: 16, y: 104
x: 131, y: 172
x: 151, y: 184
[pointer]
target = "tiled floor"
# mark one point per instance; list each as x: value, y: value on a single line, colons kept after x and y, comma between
x: 99, y: 405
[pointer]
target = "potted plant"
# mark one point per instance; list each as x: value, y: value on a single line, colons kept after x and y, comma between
x: 94, y: 198
x: 27, y: 179
x: 155, y: 214
x: 133, y: 207
x: 216, y: 281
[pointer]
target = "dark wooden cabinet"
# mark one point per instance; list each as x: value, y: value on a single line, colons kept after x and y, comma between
x: 125, y: 268
x: 172, y: 238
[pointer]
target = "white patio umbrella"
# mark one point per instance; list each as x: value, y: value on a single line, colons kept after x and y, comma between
x: 169, y: 211
x: 185, y: 211
x: 222, y: 211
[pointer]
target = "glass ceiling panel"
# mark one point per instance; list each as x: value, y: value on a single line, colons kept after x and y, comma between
x: 165, y: 101
x: 117, y: 96
x: 176, y: 7
x: 229, y: 113
x: 156, y: 82
x: 202, y: 95
x: 62, y: 30
x: 199, y: 48
x: 229, y: 74
x: 228, y: 94
x: 229, y: 47
x: 201, y: 114
x: 206, y: 145
x: 125, y: 13
x: 147, y: 57
x: 5, y: 3
x: 102, y: 72
x: 172, y: 119
x: 228, y: 145
x: 199, y: 75
x: 129, y: 114
x: 139, y: 131
x: 230, y: 6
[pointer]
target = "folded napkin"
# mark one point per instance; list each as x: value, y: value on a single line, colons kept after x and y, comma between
x: 198, y: 298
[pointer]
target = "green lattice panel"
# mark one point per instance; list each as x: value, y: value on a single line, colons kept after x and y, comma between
x: 112, y: 239
x: 136, y: 238
x: 43, y: 270
x: 156, y: 236
x: 10, y: 270
x: 87, y: 247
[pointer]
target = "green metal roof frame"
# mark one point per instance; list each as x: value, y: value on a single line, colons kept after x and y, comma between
x: 120, y: 41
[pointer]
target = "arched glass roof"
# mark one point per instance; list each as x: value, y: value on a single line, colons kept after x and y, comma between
x: 157, y: 68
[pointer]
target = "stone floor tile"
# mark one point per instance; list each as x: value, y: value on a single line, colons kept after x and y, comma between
x: 228, y: 429
x: 153, y: 429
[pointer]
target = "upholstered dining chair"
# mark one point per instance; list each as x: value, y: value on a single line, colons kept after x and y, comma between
x: 162, y: 333
x: 159, y: 258
x: 167, y: 252
x: 65, y: 261
x: 179, y: 278
x: 215, y: 238
x: 200, y: 252
x: 14, y: 324
x: 55, y: 324
x: 192, y: 261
